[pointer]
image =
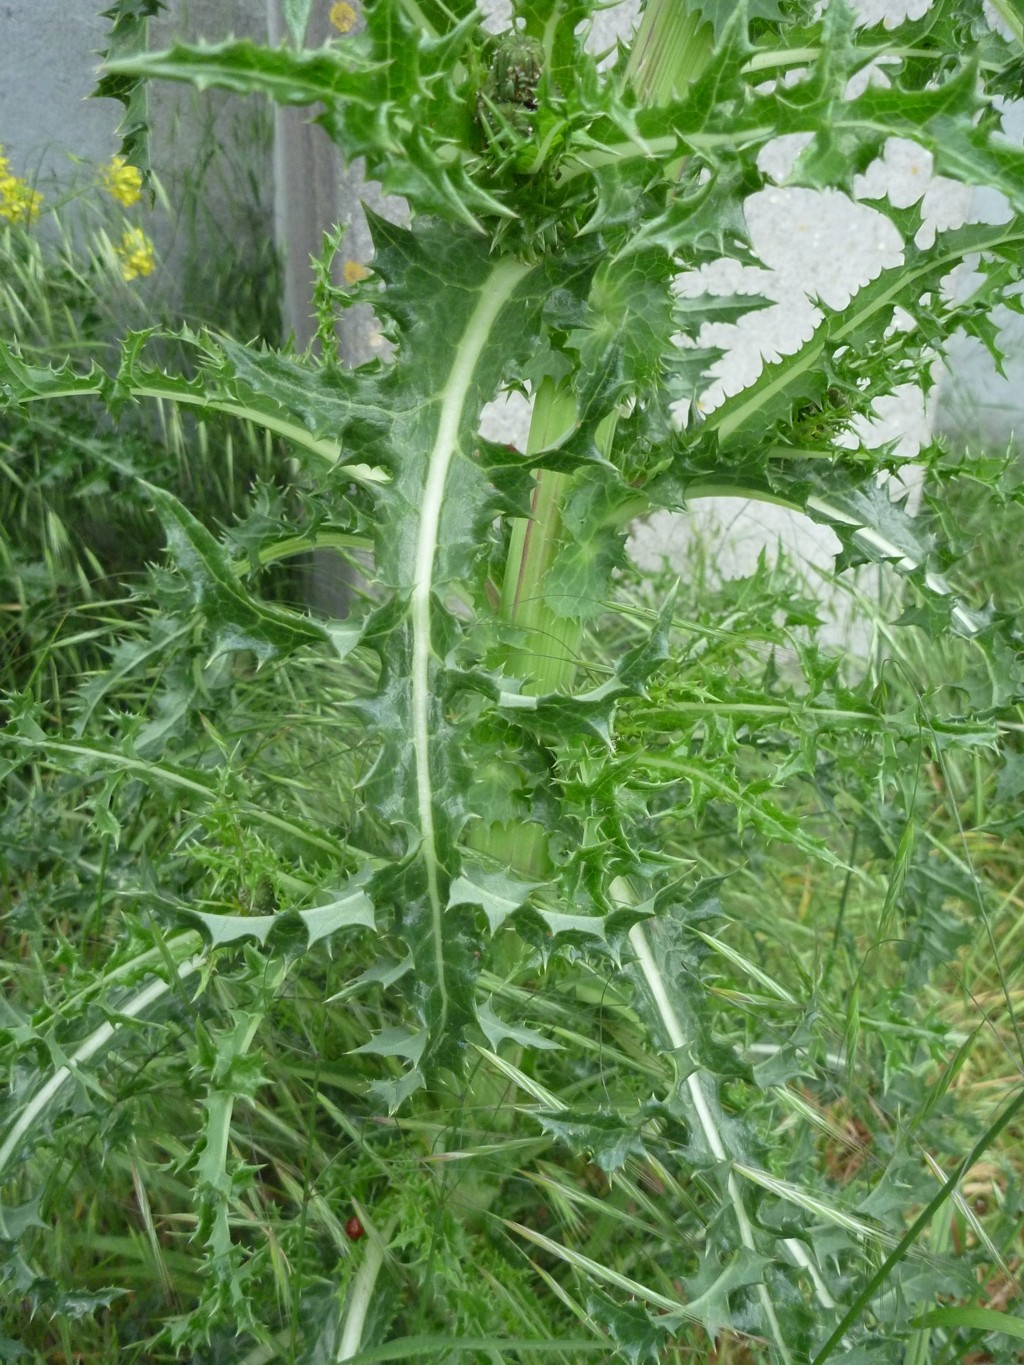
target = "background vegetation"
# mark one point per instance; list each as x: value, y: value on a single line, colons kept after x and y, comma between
x: 212, y: 1149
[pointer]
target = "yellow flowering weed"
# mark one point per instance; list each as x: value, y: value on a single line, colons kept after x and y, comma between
x: 136, y: 254
x: 122, y: 181
x: 19, y: 202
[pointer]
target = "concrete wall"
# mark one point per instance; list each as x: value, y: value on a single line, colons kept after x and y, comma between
x: 211, y: 153
x: 46, y: 75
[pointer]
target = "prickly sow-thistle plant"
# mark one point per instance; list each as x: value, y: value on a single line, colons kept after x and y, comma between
x: 553, y: 203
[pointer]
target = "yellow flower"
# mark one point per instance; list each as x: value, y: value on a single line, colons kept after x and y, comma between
x: 136, y: 254
x: 343, y: 17
x: 352, y: 272
x: 121, y: 181
x: 19, y: 202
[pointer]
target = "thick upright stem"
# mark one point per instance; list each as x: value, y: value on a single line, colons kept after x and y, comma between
x: 670, y: 50
x: 545, y: 657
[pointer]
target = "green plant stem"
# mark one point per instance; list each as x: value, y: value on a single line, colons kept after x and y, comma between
x: 670, y: 50
x: 546, y: 654
x: 547, y: 643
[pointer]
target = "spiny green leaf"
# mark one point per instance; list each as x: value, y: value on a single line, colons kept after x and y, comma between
x: 625, y: 332
x: 238, y: 620
x: 497, y: 1031
x: 717, y: 1278
x: 335, y: 71
x: 94, y: 758
x: 83, y: 1304
x: 351, y: 908
x: 397, y: 1042
x: 638, y: 1336
x: 721, y: 12
x: 710, y: 308
x: 388, y: 93
x: 784, y: 383
x: 23, y: 382
x: 579, y: 927
x: 608, y: 1138
x: 499, y: 894
x: 16, y: 1221
x: 393, y: 1094
x: 128, y: 33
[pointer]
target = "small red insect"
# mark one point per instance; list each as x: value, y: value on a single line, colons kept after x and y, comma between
x: 354, y: 1229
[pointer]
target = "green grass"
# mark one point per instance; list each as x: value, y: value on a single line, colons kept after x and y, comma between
x: 870, y: 1008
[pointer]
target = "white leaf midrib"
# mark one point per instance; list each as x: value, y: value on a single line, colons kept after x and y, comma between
x: 495, y: 292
